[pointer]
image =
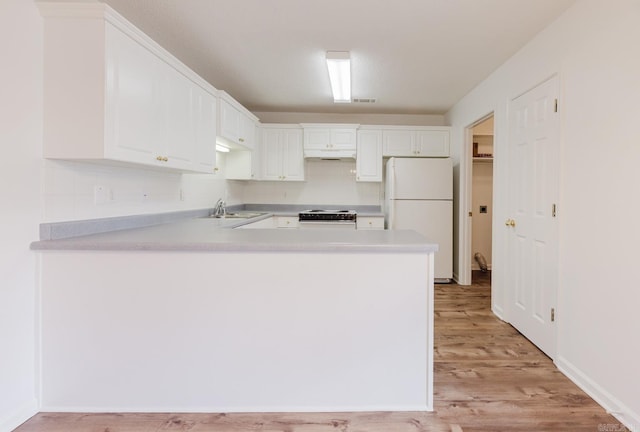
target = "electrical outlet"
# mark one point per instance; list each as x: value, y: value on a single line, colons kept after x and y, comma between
x: 101, y: 195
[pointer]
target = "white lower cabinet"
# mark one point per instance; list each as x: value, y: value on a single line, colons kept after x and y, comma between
x: 113, y: 94
x: 370, y: 223
x: 281, y: 154
x: 286, y: 221
x: 261, y: 224
x: 273, y: 222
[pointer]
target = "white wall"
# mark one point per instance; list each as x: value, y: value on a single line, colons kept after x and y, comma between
x: 69, y: 190
x: 34, y: 190
x: 326, y: 183
x: 481, y: 226
x: 21, y: 138
x: 593, y: 47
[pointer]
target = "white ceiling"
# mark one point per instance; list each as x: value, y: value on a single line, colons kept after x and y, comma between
x: 413, y: 56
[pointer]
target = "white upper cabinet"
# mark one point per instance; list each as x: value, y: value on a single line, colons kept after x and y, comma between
x: 432, y: 143
x: 111, y: 94
x: 426, y: 141
x: 236, y: 125
x: 330, y: 140
x: 369, y: 156
x: 281, y: 153
x: 205, y: 119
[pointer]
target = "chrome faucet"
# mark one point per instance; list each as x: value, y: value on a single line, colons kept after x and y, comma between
x: 220, y: 209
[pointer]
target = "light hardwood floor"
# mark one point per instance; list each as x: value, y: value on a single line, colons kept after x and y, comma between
x: 487, y: 378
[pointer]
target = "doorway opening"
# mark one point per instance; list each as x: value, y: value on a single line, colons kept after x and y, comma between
x: 478, y: 155
x: 482, y: 200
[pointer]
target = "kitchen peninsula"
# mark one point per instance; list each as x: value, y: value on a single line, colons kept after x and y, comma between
x: 196, y: 316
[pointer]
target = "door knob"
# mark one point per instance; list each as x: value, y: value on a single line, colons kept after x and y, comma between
x: 510, y: 222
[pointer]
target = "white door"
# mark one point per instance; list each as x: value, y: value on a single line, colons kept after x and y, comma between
x: 533, y: 233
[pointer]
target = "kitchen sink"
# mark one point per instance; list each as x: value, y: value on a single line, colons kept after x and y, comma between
x: 240, y: 215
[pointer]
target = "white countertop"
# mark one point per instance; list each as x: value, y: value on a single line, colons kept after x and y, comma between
x: 216, y: 235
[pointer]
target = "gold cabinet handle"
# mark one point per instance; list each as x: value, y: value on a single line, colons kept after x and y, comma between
x: 159, y: 158
x: 510, y: 223
x: 241, y: 139
x: 165, y: 159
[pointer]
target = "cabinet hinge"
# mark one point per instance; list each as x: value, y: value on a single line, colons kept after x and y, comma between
x: 553, y: 210
x: 553, y: 314
x: 555, y: 106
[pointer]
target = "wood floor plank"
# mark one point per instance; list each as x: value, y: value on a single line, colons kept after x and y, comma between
x: 488, y: 377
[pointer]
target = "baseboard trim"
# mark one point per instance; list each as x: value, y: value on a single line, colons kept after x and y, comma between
x: 497, y: 311
x: 19, y: 416
x: 613, y: 406
x: 243, y: 409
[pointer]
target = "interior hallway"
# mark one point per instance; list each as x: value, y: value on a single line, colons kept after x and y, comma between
x: 488, y: 377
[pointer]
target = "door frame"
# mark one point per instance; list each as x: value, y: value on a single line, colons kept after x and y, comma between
x: 466, y: 195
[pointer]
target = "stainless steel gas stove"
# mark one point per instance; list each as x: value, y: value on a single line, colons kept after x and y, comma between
x: 320, y: 219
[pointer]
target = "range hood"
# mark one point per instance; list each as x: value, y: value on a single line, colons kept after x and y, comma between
x: 330, y: 154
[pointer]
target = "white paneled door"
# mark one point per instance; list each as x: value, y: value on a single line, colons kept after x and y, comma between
x: 532, y: 274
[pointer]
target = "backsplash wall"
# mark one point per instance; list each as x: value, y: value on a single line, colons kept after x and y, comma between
x: 69, y: 190
x: 327, y: 183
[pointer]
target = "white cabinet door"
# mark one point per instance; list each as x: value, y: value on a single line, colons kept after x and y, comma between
x: 317, y: 138
x: 369, y: 156
x: 416, y: 142
x: 239, y: 165
x: 205, y: 117
x: 247, y: 136
x: 133, y: 111
x: 432, y: 143
x: 229, y: 121
x: 398, y: 143
x: 292, y: 154
x: 370, y: 223
x: 343, y: 139
x: 281, y: 154
x: 179, y: 134
x: 262, y: 224
x: 235, y: 127
x: 286, y: 221
x: 326, y: 141
x: 114, y: 95
x: 271, y: 154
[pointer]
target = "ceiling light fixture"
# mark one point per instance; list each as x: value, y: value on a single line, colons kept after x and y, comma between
x: 339, y: 65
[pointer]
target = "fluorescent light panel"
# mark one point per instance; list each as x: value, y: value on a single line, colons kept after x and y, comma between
x: 339, y: 65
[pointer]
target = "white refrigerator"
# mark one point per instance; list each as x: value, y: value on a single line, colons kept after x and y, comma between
x: 419, y: 196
